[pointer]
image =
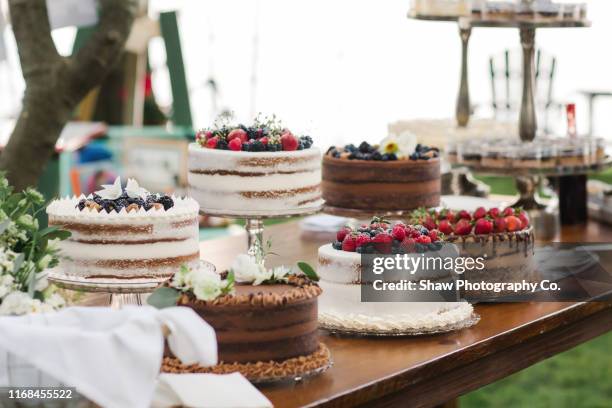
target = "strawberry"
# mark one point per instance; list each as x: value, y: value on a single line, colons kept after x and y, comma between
x: 500, y: 224
x: 483, y: 226
x: 464, y: 215
x: 264, y: 140
x: 382, y: 242
x: 399, y: 232
x: 513, y: 223
x: 235, y: 144
x: 494, y: 212
x: 212, y: 142
x: 524, y: 219
x: 434, y: 235
x: 423, y: 239
x: 349, y: 243
x: 289, y: 141
x: 463, y: 227
x: 429, y: 223
x: 508, y: 211
x: 208, y: 134
x: 445, y: 227
x: 342, y: 233
x: 238, y: 133
x: 362, y: 239
x: 448, y: 214
x: 480, y: 213
x: 408, y: 244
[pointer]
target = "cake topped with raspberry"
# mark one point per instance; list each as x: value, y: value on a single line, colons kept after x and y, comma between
x: 264, y: 135
x: 382, y: 237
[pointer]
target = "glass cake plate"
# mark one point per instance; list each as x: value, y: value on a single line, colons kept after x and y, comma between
x: 347, y: 330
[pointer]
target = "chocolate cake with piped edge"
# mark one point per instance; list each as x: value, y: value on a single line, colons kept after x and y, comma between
x: 126, y: 233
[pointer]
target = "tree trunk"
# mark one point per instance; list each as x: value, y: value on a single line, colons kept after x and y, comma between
x: 54, y: 84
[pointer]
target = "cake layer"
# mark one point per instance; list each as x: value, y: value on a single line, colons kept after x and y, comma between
x: 237, y: 182
x: 381, y: 185
x: 263, y: 323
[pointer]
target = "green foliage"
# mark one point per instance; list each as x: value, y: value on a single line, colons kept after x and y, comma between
x: 308, y: 271
x: 164, y: 297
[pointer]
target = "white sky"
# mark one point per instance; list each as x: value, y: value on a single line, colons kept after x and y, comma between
x: 342, y: 69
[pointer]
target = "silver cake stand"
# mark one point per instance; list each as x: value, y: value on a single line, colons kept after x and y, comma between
x: 254, y: 224
x: 122, y: 291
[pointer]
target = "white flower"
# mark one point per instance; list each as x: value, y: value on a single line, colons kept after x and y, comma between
x: 16, y: 303
x: 206, y: 284
x: 246, y: 269
x: 55, y: 301
x: 182, y: 278
x: 44, y: 262
x: 6, y: 285
x: 41, y: 281
x: 133, y: 190
x: 27, y: 221
x: 403, y: 145
x: 111, y: 191
x: 280, y: 273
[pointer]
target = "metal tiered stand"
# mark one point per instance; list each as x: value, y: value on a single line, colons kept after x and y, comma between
x: 526, y: 180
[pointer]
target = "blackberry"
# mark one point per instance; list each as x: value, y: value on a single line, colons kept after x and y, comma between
x: 251, y: 133
x: 246, y: 147
x: 306, y: 141
x: 352, y: 156
x: 97, y: 199
x: 419, y: 147
x: 337, y: 154
x: 136, y: 200
x: 392, y: 156
x: 376, y: 156
x: 124, y: 195
x: 274, y: 147
x: 108, y: 205
x: 257, y: 146
x: 364, y: 147
x: 337, y: 245
x: 350, y: 148
x: 222, y: 144
x: 300, y: 145
x: 121, y: 203
x: 166, y: 201
x: 81, y: 204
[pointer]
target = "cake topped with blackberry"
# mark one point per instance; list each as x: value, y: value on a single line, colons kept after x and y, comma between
x: 126, y: 233
x: 254, y: 170
x: 398, y: 174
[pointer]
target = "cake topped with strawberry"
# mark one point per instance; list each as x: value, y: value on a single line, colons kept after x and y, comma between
x: 261, y: 169
x: 382, y: 237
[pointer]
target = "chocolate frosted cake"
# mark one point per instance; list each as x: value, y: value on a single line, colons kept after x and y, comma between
x: 263, y: 323
x: 126, y: 233
x: 378, y: 178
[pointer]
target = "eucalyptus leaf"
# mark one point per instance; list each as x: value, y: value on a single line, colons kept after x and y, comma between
x: 308, y: 271
x: 164, y: 297
x: 48, y: 230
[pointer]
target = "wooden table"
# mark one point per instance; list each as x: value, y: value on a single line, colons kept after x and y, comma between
x: 430, y: 370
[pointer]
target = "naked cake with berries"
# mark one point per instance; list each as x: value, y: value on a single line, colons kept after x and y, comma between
x: 504, y: 238
x: 343, y: 277
x: 126, y: 233
x: 396, y: 175
x: 265, y: 319
x: 254, y: 170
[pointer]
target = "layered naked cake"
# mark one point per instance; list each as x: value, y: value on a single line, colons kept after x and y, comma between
x: 126, y: 233
x: 395, y: 175
x: 343, y: 279
x: 261, y: 169
x: 265, y: 319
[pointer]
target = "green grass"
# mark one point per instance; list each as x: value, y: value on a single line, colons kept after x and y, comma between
x: 581, y: 377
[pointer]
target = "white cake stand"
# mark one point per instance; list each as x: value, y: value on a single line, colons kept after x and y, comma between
x: 254, y: 225
x: 122, y: 291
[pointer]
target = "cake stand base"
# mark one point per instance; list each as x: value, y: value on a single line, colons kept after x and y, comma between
x: 293, y: 369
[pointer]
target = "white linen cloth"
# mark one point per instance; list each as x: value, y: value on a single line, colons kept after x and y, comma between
x: 112, y: 357
x: 207, y: 391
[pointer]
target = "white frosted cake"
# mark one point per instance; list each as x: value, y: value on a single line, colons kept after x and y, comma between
x: 126, y: 234
x: 340, y: 271
x: 257, y: 170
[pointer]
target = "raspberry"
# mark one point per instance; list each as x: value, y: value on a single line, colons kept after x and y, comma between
x: 399, y: 232
x: 238, y: 133
x: 434, y: 235
x: 483, y: 226
x: 289, y: 141
x: 423, y: 239
x: 408, y: 244
x: 412, y: 232
x: 235, y: 144
x: 480, y: 213
x: 524, y: 219
x: 463, y: 227
x: 212, y: 142
x: 342, y: 233
x: 445, y: 227
x: 349, y: 244
x: 383, y: 243
x: 362, y: 239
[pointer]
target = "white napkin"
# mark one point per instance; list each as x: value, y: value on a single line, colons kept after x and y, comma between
x: 112, y: 357
x: 207, y: 391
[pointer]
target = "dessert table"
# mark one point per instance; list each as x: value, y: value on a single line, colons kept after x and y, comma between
x: 429, y: 370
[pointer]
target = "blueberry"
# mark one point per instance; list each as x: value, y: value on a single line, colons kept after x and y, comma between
x: 392, y: 156
x: 337, y: 245
x: 352, y: 156
x: 246, y: 147
x: 97, y: 199
x: 337, y: 154
x: 364, y: 147
x: 166, y: 201
x: 419, y: 248
x: 414, y: 156
x: 385, y: 157
x: 424, y: 231
x: 222, y: 144
x: 360, y: 250
x: 81, y: 204
x: 419, y: 147
x: 306, y: 141
x: 376, y: 156
x: 274, y: 147
x: 257, y: 146
x: 300, y: 145
x: 121, y: 203
x: 350, y: 148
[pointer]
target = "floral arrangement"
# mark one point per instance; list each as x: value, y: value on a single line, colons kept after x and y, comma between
x: 207, y: 285
x: 26, y: 252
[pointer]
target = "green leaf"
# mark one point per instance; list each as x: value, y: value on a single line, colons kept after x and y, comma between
x: 59, y: 234
x: 308, y: 271
x: 164, y: 297
x: 230, y: 278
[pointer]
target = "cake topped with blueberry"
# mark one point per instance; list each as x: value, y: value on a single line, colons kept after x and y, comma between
x: 263, y: 135
x: 261, y: 169
x: 398, y: 174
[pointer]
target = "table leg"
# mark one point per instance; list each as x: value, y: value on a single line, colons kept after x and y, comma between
x: 463, y: 99
x: 528, y: 193
x: 527, y: 119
